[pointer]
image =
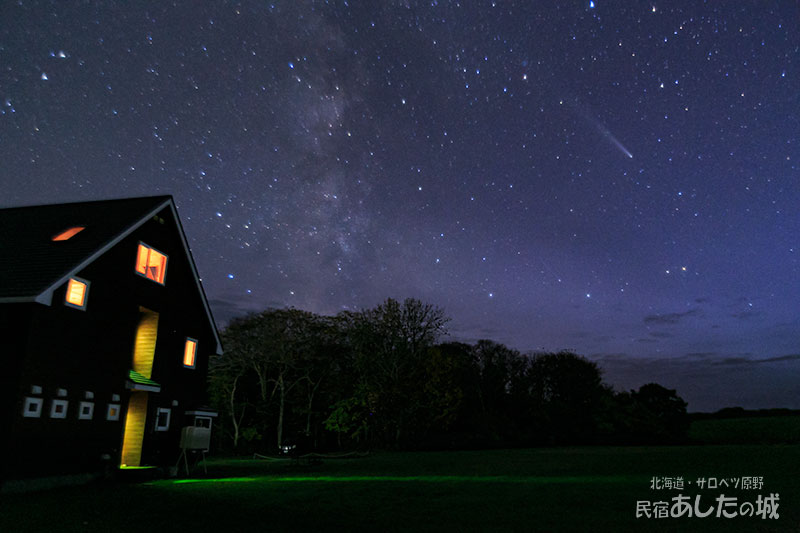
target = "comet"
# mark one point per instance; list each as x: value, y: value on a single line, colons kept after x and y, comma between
x: 607, y: 134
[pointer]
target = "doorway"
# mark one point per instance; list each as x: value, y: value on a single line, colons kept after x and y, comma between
x: 144, y: 350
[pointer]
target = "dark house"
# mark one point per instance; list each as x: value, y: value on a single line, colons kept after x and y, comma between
x: 107, y: 337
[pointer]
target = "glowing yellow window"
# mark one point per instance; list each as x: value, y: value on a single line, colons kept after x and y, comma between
x: 151, y: 263
x: 189, y: 352
x: 77, y: 291
x: 68, y: 233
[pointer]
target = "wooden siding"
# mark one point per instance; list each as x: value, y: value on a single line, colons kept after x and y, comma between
x: 134, y: 430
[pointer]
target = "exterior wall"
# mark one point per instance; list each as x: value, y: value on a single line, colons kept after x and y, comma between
x: 15, y: 321
x: 80, y: 351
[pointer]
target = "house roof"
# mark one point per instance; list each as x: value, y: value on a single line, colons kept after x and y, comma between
x: 32, y: 265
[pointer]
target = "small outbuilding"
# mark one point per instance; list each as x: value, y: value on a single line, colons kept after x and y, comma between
x: 107, y: 335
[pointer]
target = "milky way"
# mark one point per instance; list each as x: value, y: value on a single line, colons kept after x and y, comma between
x: 326, y: 155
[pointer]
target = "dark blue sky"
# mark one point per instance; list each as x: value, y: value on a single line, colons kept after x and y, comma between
x: 616, y: 178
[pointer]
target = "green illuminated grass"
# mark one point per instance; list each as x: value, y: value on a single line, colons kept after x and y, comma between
x: 559, y: 489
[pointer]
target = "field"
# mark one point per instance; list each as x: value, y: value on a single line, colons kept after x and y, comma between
x: 752, y: 430
x: 556, y: 489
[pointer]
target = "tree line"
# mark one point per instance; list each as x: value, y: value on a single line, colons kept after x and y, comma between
x: 381, y: 377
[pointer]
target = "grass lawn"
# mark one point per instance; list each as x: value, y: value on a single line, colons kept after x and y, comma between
x: 558, y: 489
x: 752, y: 430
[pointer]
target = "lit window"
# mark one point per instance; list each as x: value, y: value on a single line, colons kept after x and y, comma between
x: 77, y: 290
x: 68, y: 233
x: 58, y: 409
x: 86, y: 411
x: 151, y: 263
x: 162, y: 419
x: 113, y: 411
x: 33, y: 407
x: 189, y: 352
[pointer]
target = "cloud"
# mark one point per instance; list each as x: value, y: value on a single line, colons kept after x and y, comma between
x: 701, y: 355
x: 619, y: 356
x: 605, y: 338
x: 670, y: 318
x: 727, y: 361
x: 788, y: 357
x: 750, y: 361
x: 472, y: 333
x: 225, y: 310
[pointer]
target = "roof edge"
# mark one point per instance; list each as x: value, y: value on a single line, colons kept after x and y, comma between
x: 24, y: 299
x: 196, y: 275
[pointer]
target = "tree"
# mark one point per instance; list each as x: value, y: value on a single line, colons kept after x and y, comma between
x: 390, y: 344
x: 225, y: 373
x: 446, y: 365
x: 661, y: 414
x: 569, y: 389
x: 277, y: 349
x: 493, y: 362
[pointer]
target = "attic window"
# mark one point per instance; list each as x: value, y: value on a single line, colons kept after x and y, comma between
x: 189, y: 352
x: 68, y: 233
x: 77, y: 290
x: 151, y: 263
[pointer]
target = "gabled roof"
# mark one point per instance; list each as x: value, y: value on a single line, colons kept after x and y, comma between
x: 32, y: 265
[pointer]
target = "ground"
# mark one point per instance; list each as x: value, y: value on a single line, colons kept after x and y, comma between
x: 556, y: 489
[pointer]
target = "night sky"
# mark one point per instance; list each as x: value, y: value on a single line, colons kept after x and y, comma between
x: 615, y: 178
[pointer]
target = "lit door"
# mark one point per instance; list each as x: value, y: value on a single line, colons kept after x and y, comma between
x: 143, y: 353
x: 134, y: 429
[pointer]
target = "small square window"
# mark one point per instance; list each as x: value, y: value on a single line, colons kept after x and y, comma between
x: 32, y: 408
x: 112, y: 413
x: 162, y: 419
x: 86, y: 411
x: 151, y: 263
x: 58, y: 408
x: 77, y: 292
x: 189, y: 352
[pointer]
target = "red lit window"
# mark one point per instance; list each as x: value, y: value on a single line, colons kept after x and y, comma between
x: 189, y: 353
x: 68, y: 233
x: 76, y: 293
x: 151, y: 263
x: 113, y: 412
